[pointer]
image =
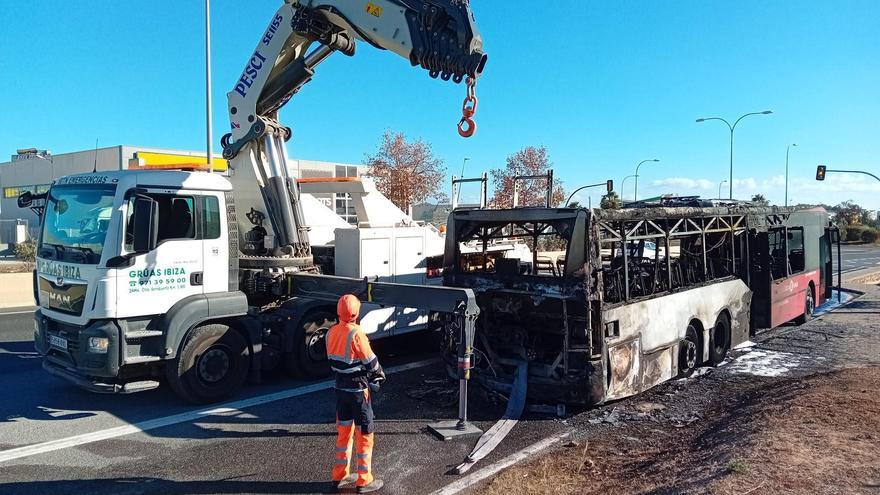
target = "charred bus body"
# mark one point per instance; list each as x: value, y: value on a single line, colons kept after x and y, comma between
x: 603, y: 304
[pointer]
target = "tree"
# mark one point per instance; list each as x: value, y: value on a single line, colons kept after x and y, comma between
x: 574, y: 204
x: 406, y: 172
x: 760, y: 200
x: 610, y: 201
x: 527, y: 161
x: 847, y: 213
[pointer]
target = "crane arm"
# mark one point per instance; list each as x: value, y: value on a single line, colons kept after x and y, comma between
x: 438, y: 35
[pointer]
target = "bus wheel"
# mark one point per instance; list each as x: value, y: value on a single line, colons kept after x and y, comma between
x: 688, y: 352
x: 720, y: 340
x: 311, y: 356
x: 212, y: 365
x: 809, y: 307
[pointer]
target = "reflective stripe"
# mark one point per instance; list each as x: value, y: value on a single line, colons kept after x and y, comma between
x: 347, y: 422
x: 348, y: 357
x: 351, y: 389
x: 342, y: 449
x: 348, y: 371
x: 344, y: 359
x: 363, y: 456
x: 342, y: 462
x: 363, y: 470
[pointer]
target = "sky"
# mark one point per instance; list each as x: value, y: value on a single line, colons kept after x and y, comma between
x: 603, y: 85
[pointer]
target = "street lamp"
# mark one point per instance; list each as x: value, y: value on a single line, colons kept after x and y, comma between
x: 787, y: 148
x: 732, y: 127
x: 458, y: 191
x: 636, y: 192
x: 719, y: 187
x: 623, y: 183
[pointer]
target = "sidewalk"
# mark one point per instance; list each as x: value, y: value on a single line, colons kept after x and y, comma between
x: 16, y: 290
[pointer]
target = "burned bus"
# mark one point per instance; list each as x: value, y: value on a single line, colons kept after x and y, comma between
x: 603, y: 304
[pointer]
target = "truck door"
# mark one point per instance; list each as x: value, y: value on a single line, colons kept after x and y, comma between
x: 214, y: 234
x: 155, y: 281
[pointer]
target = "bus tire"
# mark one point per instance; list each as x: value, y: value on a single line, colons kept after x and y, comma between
x: 311, y: 347
x: 689, y: 352
x: 212, y: 364
x: 719, y: 340
x: 809, y: 307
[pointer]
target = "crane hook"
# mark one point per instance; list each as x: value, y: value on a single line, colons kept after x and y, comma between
x: 466, y: 126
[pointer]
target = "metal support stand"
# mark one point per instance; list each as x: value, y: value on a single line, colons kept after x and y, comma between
x: 447, y: 430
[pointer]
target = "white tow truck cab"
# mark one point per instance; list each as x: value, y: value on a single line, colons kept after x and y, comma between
x: 129, y: 263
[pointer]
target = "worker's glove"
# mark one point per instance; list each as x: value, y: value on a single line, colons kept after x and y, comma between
x: 376, y: 382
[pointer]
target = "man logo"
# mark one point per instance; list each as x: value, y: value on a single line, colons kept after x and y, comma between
x: 59, y: 281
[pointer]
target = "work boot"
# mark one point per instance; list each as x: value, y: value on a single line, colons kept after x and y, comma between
x: 345, y: 482
x: 374, y: 486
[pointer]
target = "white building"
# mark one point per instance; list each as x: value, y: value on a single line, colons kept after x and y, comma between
x: 34, y: 170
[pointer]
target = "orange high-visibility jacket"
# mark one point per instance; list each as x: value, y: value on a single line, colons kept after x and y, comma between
x: 348, y: 349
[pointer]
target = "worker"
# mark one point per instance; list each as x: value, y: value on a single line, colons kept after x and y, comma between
x: 358, y: 376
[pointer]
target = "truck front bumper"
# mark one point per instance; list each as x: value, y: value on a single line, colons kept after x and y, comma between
x: 96, y: 372
x: 96, y: 385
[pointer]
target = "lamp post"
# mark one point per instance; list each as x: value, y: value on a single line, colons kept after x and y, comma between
x: 622, y: 184
x: 719, y: 187
x: 732, y: 127
x: 787, y: 149
x: 458, y: 191
x: 636, y: 192
x: 210, y: 158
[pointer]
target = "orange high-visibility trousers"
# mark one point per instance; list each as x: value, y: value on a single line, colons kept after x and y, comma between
x: 354, y: 425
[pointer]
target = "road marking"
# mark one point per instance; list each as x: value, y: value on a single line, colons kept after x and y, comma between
x: 18, y: 312
x: 508, y: 461
x: 152, y: 424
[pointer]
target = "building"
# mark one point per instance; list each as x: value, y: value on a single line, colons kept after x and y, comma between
x: 34, y: 170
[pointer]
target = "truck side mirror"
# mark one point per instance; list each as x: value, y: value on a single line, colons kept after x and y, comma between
x: 25, y: 200
x: 145, y: 224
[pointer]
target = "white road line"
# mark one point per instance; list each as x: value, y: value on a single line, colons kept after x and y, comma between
x: 508, y: 461
x: 17, y: 312
x: 152, y: 424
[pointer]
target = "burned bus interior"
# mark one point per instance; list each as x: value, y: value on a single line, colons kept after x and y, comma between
x: 543, y: 276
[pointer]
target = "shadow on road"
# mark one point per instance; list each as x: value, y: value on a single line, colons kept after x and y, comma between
x: 168, y: 487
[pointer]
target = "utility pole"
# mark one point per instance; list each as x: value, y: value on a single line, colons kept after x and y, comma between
x: 732, y: 127
x: 787, y: 149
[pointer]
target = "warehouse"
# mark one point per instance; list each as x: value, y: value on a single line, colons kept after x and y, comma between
x: 34, y: 170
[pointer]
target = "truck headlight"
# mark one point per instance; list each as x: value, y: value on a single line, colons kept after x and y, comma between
x: 98, y: 345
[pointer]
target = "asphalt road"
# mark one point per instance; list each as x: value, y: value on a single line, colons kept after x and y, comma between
x: 283, y: 446
x: 859, y: 256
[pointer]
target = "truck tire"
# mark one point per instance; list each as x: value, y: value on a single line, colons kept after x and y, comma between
x: 309, y: 356
x: 212, y: 364
x: 719, y: 342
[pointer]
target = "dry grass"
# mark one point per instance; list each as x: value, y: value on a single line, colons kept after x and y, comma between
x: 817, y: 435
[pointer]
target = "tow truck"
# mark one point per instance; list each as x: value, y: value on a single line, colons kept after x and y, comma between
x: 149, y: 274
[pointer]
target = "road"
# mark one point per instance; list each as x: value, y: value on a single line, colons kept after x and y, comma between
x: 859, y: 256
x: 282, y: 446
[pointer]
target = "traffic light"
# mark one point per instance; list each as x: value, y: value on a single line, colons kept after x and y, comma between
x: 609, y: 185
x: 820, y: 172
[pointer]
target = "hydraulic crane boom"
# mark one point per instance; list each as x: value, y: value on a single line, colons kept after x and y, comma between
x: 437, y: 35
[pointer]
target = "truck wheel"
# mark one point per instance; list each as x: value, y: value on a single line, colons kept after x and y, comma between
x: 212, y: 365
x: 720, y: 340
x: 309, y: 359
x: 688, y: 352
x: 809, y: 306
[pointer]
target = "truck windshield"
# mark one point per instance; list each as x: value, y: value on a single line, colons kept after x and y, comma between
x: 75, y: 223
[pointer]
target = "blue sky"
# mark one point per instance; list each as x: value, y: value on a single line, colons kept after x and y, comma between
x: 602, y: 84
